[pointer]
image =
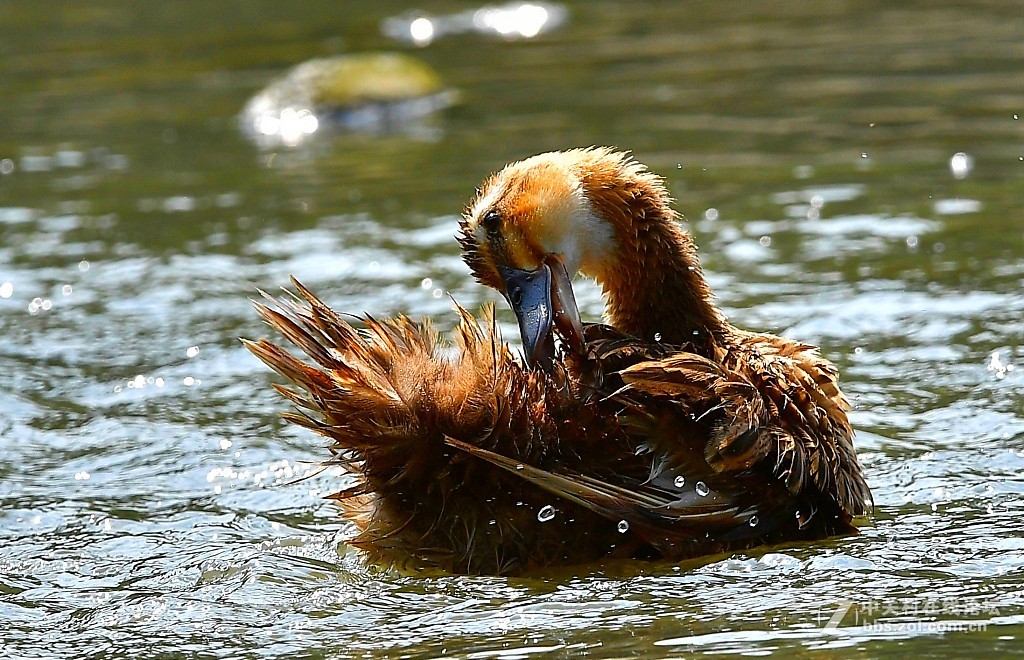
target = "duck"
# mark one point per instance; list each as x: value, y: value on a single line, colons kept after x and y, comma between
x: 662, y: 433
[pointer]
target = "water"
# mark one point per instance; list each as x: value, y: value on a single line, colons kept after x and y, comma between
x: 145, y: 503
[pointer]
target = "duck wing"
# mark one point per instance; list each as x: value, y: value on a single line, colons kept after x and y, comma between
x: 767, y: 406
x: 698, y: 431
x: 674, y: 523
x: 803, y: 398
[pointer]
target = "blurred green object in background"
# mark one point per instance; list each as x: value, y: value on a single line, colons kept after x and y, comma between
x: 362, y: 91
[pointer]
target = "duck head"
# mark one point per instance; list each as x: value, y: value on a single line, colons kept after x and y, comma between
x: 531, y: 227
x: 537, y: 222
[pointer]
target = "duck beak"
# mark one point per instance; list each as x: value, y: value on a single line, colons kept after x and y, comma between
x: 543, y: 300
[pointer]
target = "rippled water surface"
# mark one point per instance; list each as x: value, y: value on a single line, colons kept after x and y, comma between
x: 145, y: 503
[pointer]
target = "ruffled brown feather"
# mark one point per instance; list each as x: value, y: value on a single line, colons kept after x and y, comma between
x: 639, y: 449
x: 390, y: 397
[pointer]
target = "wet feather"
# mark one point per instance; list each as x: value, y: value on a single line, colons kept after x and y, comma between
x: 672, y: 434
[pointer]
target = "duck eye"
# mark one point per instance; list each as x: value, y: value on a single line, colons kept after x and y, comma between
x: 491, y: 221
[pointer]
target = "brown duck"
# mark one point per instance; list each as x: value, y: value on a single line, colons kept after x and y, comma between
x: 667, y: 433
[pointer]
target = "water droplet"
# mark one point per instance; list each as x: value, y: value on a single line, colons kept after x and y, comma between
x: 679, y: 166
x: 680, y: 481
x: 765, y: 241
x: 426, y: 283
x: 623, y: 526
x: 753, y: 521
x: 858, y: 350
x: 864, y: 154
x: 1015, y: 116
x: 546, y: 513
x: 520, y: 466
x: 192, y: 351
x: 961, y: 165
x: 188, y: 381
x: 6, y: 290
x: 66, y: 289
x: 83, y: 265
x: 711, y: 214
x: 912, y: 242
x: 657, y: 336
x: 702, y: 489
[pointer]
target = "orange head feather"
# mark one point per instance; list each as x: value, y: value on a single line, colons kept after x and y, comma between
x: 599, y: 212
x: 544, y: 205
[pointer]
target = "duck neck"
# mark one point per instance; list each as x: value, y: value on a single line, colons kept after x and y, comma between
x: 655, y: 289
